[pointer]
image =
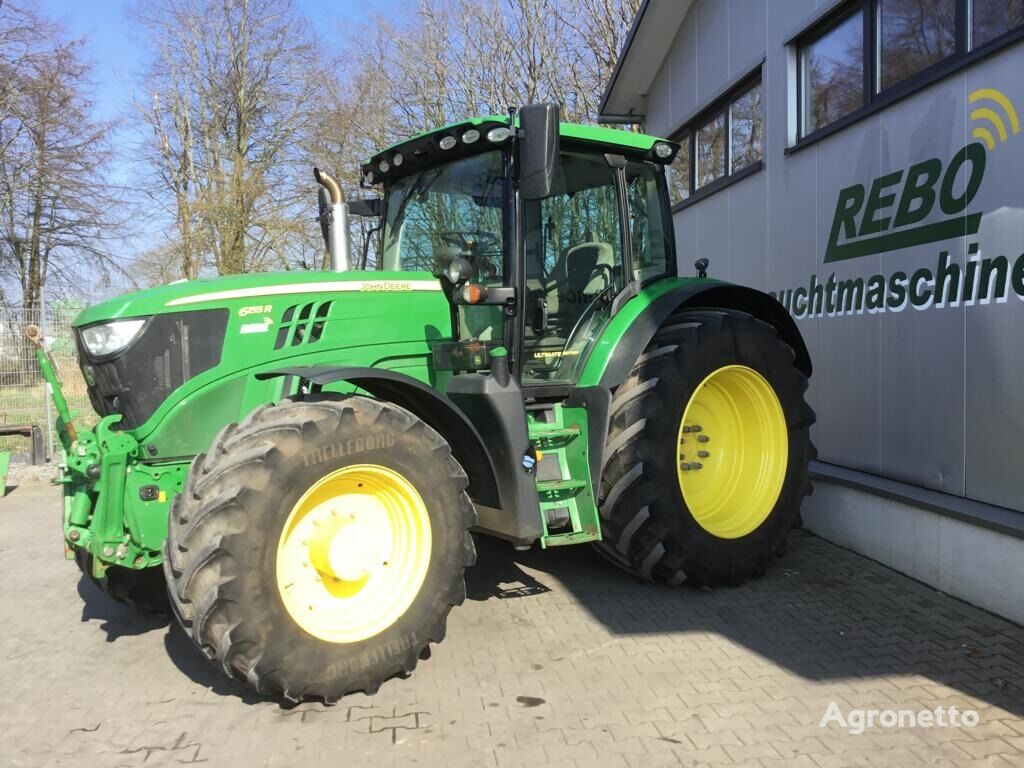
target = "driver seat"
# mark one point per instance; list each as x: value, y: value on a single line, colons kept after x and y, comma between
x: 583, y: 267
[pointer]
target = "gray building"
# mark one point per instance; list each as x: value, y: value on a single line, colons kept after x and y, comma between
x: 863, y: 161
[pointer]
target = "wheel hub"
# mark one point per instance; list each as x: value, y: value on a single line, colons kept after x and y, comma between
x: 353, y: 553
x: 732, y: 451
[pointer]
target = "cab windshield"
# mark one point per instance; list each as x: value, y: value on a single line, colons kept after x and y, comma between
x: 451, y: 210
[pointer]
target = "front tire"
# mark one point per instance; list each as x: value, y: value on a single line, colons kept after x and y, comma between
x: 707, y: 454
x: 319, y: 546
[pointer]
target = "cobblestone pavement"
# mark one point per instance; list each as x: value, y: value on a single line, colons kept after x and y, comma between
x: 555, y: 659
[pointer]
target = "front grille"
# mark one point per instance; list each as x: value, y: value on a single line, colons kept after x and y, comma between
x: 171, y: 349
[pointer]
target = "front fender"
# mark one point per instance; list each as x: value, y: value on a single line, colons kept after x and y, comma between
x: 425, y: 403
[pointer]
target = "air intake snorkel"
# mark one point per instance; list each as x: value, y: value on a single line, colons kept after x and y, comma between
x: 333, y: 221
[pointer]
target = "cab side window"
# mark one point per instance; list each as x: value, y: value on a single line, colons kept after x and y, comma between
x: 649, y: 230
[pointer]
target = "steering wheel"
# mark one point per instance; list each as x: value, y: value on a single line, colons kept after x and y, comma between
x: 473, y: 241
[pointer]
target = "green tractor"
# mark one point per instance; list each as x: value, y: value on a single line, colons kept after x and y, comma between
x: 297, y: 460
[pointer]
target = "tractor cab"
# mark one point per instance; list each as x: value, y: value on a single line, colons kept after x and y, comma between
x: 539, y: 232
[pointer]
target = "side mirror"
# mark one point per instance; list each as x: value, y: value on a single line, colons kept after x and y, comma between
x: 538, y: 150
x: 370, y: 206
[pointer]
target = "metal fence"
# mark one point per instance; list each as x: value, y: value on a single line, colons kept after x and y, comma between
x: 24, y: 399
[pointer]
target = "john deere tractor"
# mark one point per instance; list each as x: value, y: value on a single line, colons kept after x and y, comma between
x: 297, y: 460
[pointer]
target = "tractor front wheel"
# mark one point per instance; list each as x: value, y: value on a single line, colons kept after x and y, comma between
x: 319, y: 546
x: 707, y: 454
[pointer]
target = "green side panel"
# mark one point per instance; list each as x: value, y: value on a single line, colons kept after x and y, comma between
x: 605, y: 347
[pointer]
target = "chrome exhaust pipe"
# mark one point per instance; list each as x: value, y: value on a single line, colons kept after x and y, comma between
x: 334, y: 222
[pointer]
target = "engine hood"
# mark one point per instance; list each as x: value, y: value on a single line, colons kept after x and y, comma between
x: 261, y: 290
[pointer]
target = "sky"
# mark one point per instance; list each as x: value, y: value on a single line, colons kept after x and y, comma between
x: 119, y: 54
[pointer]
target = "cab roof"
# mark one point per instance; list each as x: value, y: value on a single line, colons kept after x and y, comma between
x: 425, y: 149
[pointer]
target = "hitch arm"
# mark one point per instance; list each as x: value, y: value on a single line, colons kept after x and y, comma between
x: 46, y: 367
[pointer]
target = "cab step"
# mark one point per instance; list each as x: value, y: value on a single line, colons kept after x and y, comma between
x: 568, y: 509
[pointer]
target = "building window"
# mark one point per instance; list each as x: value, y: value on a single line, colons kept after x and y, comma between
x: 723, y: 140
x: 912, y: 36
x: 711, y: 151
x: 679, y: 174
x: 991, y: 19
x: 833, y: 73
x: 864, y: 49
x: 745, y: 117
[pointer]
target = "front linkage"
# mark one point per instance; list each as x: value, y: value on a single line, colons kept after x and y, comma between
x: 99, y: 467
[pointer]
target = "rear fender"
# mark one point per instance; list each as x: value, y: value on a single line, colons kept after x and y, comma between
x: 701, y: 295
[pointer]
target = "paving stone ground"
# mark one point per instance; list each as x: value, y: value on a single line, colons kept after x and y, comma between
x: 555, y: 659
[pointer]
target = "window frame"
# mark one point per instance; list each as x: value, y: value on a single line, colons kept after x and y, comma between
x: 686, y: 135
x: 874, y: 98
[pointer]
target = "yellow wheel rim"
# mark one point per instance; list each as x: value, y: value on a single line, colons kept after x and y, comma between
x: 733, y: 451
x: 353, y: 553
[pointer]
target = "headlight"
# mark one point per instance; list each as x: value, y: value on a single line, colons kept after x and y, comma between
x: 112, y: 337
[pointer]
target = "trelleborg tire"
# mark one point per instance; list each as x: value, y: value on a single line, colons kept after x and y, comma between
x: 707, y: 452
x: 144, y: 589
x: 319, y: 546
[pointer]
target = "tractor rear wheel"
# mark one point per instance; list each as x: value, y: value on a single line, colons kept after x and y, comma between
x: 707, y: 453
x: 319, y: 546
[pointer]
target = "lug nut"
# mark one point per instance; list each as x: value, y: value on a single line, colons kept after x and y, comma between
x: 702, y: 438
x: 703, y: 454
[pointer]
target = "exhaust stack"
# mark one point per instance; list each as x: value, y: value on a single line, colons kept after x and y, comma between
x: 334, y: 222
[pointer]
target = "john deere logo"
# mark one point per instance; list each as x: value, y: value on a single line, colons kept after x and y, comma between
x: 889, y: 214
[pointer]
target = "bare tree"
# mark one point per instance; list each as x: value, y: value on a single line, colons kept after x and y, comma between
x: 56, y: 204
x: 232, y: 85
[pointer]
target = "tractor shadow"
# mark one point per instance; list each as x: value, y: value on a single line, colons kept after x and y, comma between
x: 820, y: 612
x: 116, y: 619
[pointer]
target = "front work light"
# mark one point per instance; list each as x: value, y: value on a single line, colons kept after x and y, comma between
x: 446, y: 142
x: 108, y: 338
x: 459, y: 271
x: 470, y: 136
x: 664, y: 151
x: 498, y: 134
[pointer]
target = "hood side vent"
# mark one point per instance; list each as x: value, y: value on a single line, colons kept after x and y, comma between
x: 302, y: 323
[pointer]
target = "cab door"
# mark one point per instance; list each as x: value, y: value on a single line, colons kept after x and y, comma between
x: 575, y: 264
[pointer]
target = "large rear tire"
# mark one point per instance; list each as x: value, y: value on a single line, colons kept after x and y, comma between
x: 319, y: 546
x: 707, y: 453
